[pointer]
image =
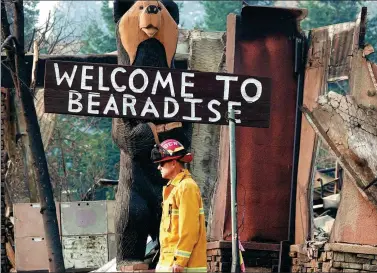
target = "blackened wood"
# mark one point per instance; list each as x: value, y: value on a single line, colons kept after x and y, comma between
x: 5, y: 33
x: 363, y: 26
x: 206, y: 87
x: 48, y: 210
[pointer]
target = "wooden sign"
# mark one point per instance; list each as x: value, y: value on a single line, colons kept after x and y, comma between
x: 90, y: 89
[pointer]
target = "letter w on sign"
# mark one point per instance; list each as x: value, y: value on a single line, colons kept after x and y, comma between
x: 149, y: 93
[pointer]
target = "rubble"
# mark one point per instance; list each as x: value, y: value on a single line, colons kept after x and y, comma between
x: 108, y: 267
x: 335, y: 257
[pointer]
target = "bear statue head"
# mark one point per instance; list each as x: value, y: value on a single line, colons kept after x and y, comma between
x: 139, y: 21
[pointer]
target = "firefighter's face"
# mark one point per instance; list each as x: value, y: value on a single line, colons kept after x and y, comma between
x: 167, y: 169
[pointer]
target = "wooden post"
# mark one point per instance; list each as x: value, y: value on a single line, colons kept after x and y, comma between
x: 48, y: 210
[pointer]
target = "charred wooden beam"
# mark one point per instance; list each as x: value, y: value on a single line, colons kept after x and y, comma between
x: 48, y: 210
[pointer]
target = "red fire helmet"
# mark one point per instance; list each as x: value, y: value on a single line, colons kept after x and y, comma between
x: 170, y: 149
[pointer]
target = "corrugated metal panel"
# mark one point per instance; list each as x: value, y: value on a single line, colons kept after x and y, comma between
x: 111, y: 244
x: 341, y: 37
x: 31, y: 254
x: 85, y: 252
x: 110, y: 207
x: 341, y: 47
x: 29, y: 221
x: 206, y: 55
x: 83, y: 218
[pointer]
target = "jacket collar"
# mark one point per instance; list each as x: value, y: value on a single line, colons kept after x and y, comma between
x: 179, y: 177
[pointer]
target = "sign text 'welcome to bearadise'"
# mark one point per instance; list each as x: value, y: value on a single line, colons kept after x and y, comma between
x: 90, y: 89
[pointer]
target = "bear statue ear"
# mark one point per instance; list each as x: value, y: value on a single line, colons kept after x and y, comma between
x: 172, y: 8
x: 120, y: 8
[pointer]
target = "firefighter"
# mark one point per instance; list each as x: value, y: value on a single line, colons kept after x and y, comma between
x: 183, y: 243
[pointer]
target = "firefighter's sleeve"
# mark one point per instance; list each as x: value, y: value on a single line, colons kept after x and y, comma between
x: 189, y: 209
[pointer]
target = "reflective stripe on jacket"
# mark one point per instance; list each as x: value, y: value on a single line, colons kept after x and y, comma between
x: 182, y: 230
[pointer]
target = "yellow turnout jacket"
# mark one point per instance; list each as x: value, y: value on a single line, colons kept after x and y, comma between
x: 182, y: 230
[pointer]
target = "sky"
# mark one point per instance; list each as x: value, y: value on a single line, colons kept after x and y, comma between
x: 44, y: 8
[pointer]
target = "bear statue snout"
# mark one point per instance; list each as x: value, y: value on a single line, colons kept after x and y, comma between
x: 152, y: 9
x: 150, y: 20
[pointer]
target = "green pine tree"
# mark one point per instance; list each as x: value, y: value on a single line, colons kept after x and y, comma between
x: 31, y: 14
x: 100, y: 40
x: 216, y: 12
x: 89, y: 154
x: 259, y: 2
x: 323, y: 13
x: 107, y: 15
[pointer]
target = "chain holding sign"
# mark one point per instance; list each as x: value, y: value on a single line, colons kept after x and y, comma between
x: 89, y: 89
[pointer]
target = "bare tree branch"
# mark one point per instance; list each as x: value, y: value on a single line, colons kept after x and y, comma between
x: 43, y: 34
x: 57, y: 33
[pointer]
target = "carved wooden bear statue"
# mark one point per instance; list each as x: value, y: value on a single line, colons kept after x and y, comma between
x: 147, y: 35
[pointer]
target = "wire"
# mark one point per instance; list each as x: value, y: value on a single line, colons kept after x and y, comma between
x: 22, y: 82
